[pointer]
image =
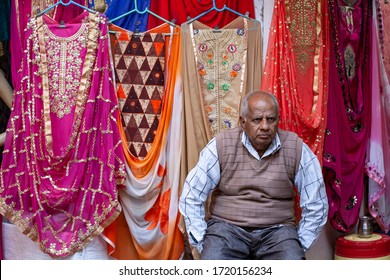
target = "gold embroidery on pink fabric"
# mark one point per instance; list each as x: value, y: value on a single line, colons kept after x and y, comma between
x: 47, y: 185
x: 65, y: 60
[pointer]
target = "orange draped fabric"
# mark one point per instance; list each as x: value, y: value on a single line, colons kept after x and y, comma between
x: 296, y: 68
x: 148, y: 226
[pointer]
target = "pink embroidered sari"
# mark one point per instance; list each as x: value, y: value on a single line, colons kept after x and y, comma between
x: 63, y: 158
x: 378, y: 152
x: 349, y: 111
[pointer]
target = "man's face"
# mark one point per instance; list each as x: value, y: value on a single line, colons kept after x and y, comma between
x: 261, y: 123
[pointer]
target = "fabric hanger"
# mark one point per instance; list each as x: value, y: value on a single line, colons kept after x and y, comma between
x: 64, y: 4
x: 214, y: 8
x: 135, y: 10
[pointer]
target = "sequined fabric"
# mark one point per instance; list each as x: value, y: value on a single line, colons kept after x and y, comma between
x: 296, y: 68
x: 349, y: 110
x: 57, y: 184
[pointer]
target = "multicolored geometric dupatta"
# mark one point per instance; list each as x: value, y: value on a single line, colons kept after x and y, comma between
x: 149, y: 90
x: 63, y: 160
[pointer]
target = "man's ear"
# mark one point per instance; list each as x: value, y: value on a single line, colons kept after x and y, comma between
x: 241, y: 120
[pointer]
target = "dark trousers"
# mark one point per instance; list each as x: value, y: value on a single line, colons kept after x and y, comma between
x: 224, y: 241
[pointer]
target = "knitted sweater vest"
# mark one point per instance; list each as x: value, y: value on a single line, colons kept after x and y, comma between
x: 254, y: 193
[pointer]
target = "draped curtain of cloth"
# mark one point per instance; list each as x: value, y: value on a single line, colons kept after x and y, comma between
x: 180, y: 10
x: 57, y: 184
x: 218, y: 69
x: 296, y: 68
x: 149, y: 89
x: 378, y: 151
x: 349, y: 110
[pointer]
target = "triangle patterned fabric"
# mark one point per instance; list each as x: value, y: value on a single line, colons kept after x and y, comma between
x: 139, y: 65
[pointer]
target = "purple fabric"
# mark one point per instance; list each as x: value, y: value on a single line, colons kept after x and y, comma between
x: 63, y: 159
x: 349, y: 111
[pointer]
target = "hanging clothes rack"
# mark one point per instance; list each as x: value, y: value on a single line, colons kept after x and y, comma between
x: 61, y: 2
x: 135, y: 10
x: 215, y: 8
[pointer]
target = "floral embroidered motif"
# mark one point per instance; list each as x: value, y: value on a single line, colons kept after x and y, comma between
x: 210, y: 86
x: 241, y: 32
x: 220, y: 60
x: 203, y: 47
x: 350, y: 62
x: 225, y: 87
x: 236, y: 67
x: 227, y: 123
x: 357, y: 127
x: 352, y: 201
x: 233, y: 74
x: 232, y: 48
x: 329, y: 157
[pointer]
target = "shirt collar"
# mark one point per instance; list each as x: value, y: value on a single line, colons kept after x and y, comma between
x: 273, y: 148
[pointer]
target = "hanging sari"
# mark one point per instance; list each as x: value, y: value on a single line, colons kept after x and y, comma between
x: 296, y: 68
x: 349, y: 110
x: 21, y: 11
x: 378, y: 151
x: 149, y: 90
x: 180, y: 10
x: 132, y: 21
x: 219, y: 68
x: 63, y: 160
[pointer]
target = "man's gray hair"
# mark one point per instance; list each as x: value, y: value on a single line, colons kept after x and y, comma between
x: 244, y: 109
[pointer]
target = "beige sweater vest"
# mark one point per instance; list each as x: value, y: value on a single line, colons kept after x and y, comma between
x: 254, y: 193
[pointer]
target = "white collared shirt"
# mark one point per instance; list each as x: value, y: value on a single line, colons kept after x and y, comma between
x: 205, y: 176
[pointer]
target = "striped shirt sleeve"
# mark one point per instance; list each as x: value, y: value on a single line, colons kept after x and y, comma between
x: 313, y: 199
x: 200, y: 182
